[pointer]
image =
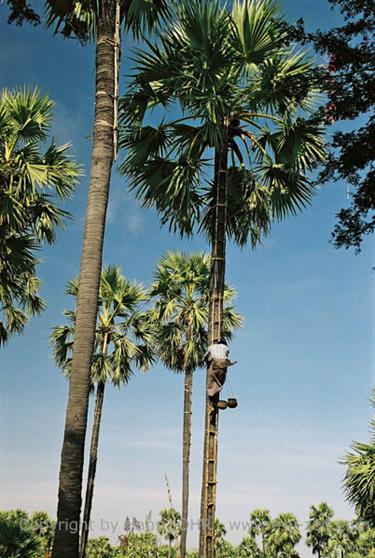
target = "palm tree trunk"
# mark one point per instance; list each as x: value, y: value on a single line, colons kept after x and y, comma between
x: 66, y: 542
x: 263, y: 545
x: 92, y: 468
x: 186, y: 460
x: 215, y: 324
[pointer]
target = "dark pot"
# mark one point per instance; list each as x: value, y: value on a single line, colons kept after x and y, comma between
x: 222, y: 404
x: 232, y: 403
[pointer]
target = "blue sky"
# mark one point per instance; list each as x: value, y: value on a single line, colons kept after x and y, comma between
x: 305, y: 354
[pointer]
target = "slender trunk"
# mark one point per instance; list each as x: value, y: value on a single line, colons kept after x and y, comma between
x: 92, y: 468
x: 215, y: 324
x: 186, y: 443
x: 170, y: 549
x: 66, y: 543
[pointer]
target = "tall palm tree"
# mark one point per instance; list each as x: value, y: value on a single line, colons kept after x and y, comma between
x: 123, y: 340
x: 283, y: 536
x: 181, y: 291
x: 245, y: 121
x: 260, y: 523
x: 99, y: 21
x: 34, y: 174
x: 359, y: 479
x: 318, y: 528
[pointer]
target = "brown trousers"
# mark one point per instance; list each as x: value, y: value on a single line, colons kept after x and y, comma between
x: 217, y: 374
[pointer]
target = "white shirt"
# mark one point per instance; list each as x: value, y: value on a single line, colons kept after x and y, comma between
x: 217, y: 350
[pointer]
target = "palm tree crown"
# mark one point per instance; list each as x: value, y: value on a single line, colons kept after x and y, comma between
x: 236, y: 84
x: 318, y: 528
x: 124, y: 333
x: 33, y: 176
x: 283, y: 536
x: 181, y: 291
x: 80, y: 19
x: 359, y: 479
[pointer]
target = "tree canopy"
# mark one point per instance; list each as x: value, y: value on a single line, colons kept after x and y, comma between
x: 350, y: 87
x: 35, y: 174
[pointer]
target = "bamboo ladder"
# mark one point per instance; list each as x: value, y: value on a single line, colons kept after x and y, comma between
x: 215, y: 333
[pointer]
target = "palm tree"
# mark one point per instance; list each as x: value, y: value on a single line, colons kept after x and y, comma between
x: 123, y: 340
x: 283, y: 536
x: 342, y: 539
x: 34, y: 174
x: 16, y: 538
x: 245, y: 119
x: 260, y: 523
x: 181, y: 291
x: 169, y: 526
x: 359, y: 480
x: 100, y: 548
x: 101, y: 22
x: 248, y: 548
x: 43, y: 527
x: 318, y: 528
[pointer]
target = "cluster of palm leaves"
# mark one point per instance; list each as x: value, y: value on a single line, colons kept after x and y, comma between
x: 360, y: 475
x: 231, y: 82
x: 32, y: 178
x: 24, y: 536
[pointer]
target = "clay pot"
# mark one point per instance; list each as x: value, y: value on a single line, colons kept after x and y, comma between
x: 232, y: 403
x: 222, y: 404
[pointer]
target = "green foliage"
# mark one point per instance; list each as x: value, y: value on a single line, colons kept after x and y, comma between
x: 169, y: 525
x: 138, y: 545
x: 20, y: 11
x: 342, y: 539
x: 22, y: 536
x: 32, y: 177
x: 260, y: 524
x: 349, y: 85
x: 283, y: 536
x: 181, y: 290
x: 79, y: 19
x: 359, y: 479
x: 44, y: 528
x: 248, y: 548
x: 236, y: 84
x: 124, y: 333
x: 100, y: 548
x: 318, y: 528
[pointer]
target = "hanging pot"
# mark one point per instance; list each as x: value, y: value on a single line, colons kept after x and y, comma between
x: 221, y: 404
x: 232, y: 403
